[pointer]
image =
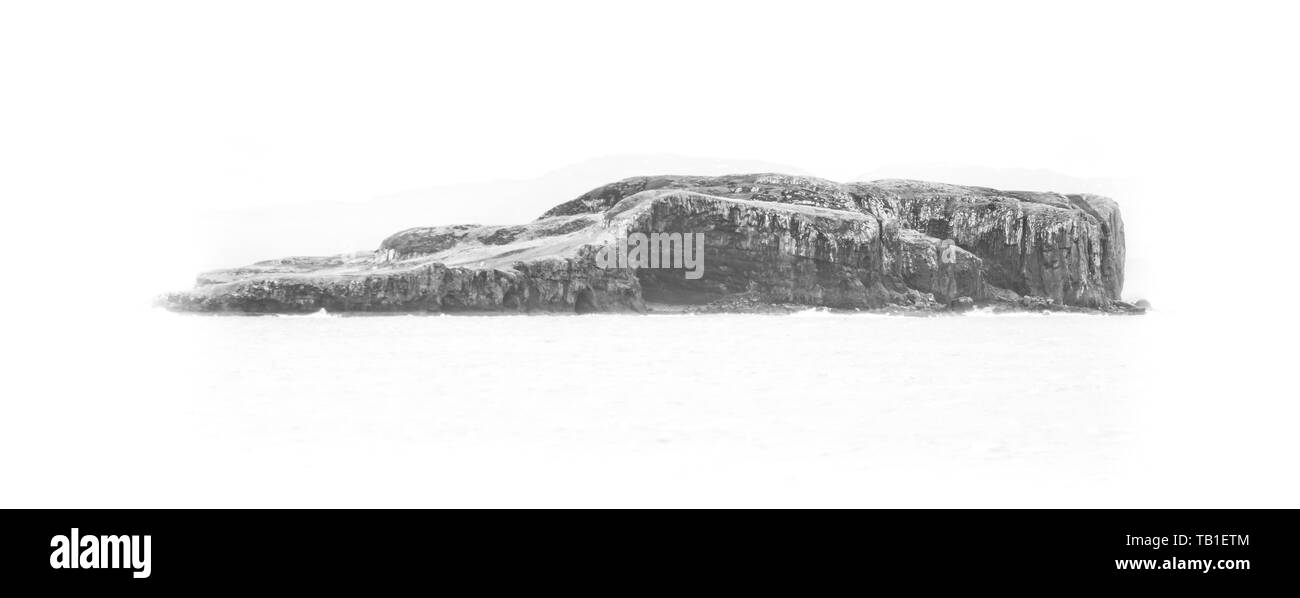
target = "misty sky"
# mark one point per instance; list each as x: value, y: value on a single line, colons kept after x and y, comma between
x: 262, y: 102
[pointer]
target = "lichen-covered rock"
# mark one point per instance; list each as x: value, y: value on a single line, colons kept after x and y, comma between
x: 780, y: 239
x: 780, y: 188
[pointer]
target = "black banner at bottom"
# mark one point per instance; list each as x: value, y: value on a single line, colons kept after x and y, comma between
x: 615, y: 551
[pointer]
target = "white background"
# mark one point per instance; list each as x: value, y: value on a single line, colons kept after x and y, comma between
x: 125, y: 125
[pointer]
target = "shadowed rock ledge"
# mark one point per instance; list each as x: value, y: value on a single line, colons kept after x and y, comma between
x: 772, y: 242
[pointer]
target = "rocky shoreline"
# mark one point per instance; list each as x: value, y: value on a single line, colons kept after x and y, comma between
x: 772, y: 243
x: 744, y: 303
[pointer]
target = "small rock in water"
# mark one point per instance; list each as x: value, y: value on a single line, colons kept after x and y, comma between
x: 1035, y: 303
x: 961, y: 304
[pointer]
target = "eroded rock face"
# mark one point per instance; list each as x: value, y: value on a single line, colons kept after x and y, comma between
x: 768, y: 238
x: 784, y: 253
x: 1067, y: 248
x: 543, y: 285
x: 938, y: 267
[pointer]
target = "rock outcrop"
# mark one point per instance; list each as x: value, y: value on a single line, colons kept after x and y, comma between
x: 769, y: 240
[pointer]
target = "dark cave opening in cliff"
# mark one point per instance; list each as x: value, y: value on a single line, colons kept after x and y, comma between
x: 584, y: 302
x: 670, y: 287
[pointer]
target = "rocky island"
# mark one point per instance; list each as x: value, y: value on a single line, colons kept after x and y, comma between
x: 771, y: 242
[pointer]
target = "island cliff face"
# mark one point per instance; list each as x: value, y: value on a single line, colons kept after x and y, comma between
x: 769, y: 240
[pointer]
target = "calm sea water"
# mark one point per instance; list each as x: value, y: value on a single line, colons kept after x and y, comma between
x: 813, y: 408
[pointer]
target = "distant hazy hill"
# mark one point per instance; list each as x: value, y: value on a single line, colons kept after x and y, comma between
x: 328, y: 228
x: 1020, y: 179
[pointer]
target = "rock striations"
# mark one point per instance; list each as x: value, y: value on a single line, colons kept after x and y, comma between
x: 770, y: 240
